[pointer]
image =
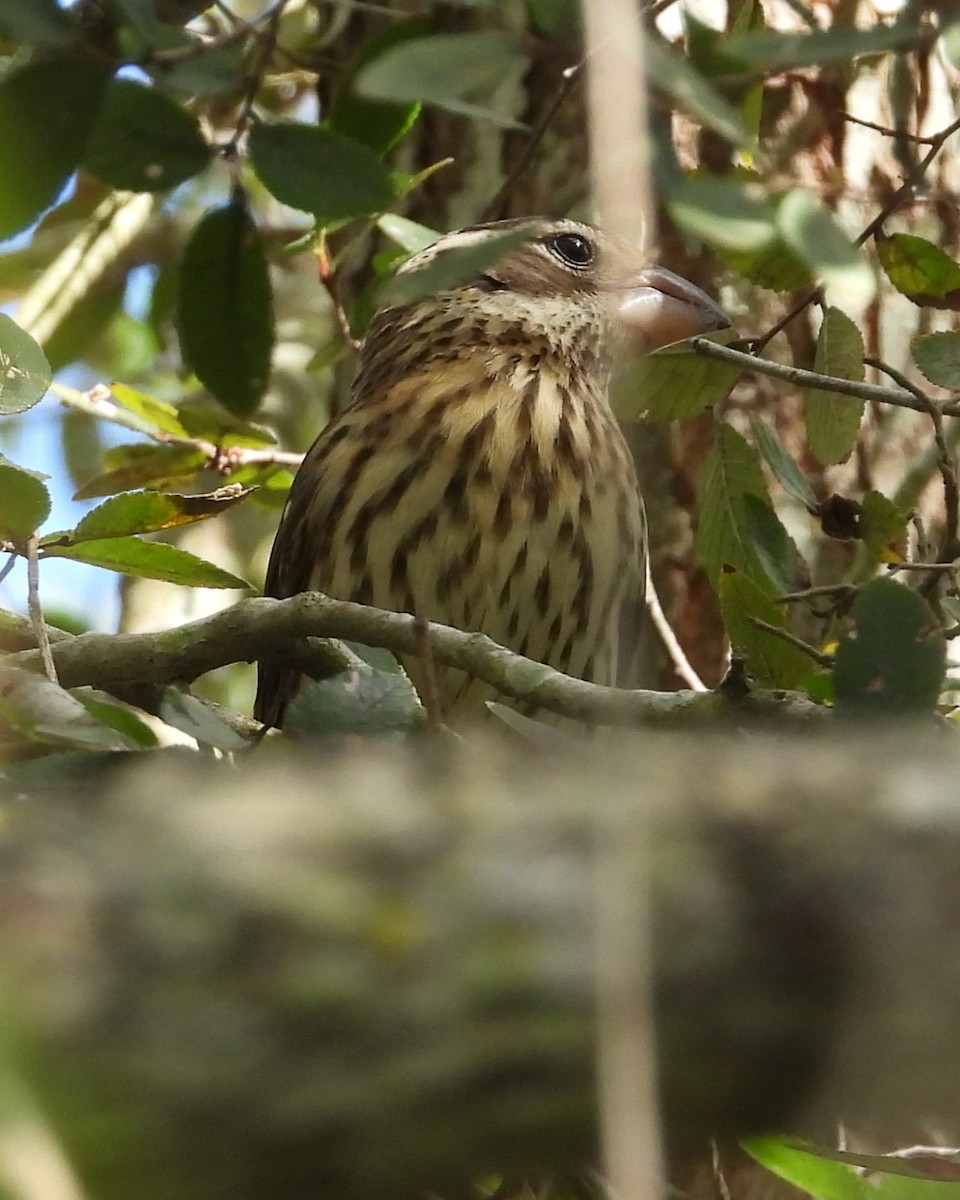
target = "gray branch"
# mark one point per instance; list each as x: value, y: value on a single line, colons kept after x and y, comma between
x: 297, y: 632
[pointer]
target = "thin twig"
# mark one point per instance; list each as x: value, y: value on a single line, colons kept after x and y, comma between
x: 678, y: 659
x: 9, y: 564
x: 800, y: 377
x: 568, y: 80
x: 97, y: 402
x: 902, y: 194
x: 268, y: 40
x: 949, y: 547
x: 888, y: 132
x: 36, y: 612
x: 429, y: 691
x: 834, y: 590
x: 941, y: 567
x: 823, y: 660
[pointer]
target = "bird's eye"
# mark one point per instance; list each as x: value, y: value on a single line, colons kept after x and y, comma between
x: 573, y: 249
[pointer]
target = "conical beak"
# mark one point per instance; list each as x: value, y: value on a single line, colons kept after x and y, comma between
x: 659, y: 307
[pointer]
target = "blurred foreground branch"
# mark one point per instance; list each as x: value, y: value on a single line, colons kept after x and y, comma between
x: 371, y: 976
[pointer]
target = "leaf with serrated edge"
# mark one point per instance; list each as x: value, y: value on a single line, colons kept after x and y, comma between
x: 671, y: 384
x: 24, y: 371
x: 833, y: 420
x: 916, y: 266
x: 771, y: 661
x: 732, y: 470
x: 26, y: 502
x: 892, y: 659
x: 156, y: 413
x: 938, y: 357
x: 148, y: 560
x: 155, y: 465
x: 148, y: 512
x: 883, y: 527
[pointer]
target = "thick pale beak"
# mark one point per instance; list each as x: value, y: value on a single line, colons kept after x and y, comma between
x: 659, y: 307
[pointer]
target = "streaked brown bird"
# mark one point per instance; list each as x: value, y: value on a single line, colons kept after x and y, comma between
x: 479, y: 477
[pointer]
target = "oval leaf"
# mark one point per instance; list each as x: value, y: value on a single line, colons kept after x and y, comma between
x: 916, y: 267
x: 725, y: 212
x: 148, y: 560
x: 781, y: 464
x: 731, y: 472
x: 137, y: 465
x: 833, y: 420
x: 883, y: 528
x: 377, y: 124
x: 26, y: 502
x: 24, y: 371
x: 442, y: 69
x: 938, y: 357
x: 771, y: 661
x: 156, y: 414
x: 47, y: 112
x: 225, y: 315
x: 670, y: 384
x: 143, y: 141
x: 891, y: 661
x: 684, y: 84
x: 319, y: 171
x: 148, y: 512
x: 812, y: 232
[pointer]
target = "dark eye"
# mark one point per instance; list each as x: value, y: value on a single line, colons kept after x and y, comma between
x: 573, y: 249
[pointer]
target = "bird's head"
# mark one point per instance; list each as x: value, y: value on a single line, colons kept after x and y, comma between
x: 559, y: 290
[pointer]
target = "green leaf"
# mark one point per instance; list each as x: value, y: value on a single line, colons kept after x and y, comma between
x: 696, y: 95
x: 218, y: 71
x: 451, y: 267
x: 119, y: 717
x: 443, y: 69
x: 26, y: 501
x: 938, y: 357
x: 891, y: 661
x: 225, y: 311
x: 917, y: 267
x: 833, y: 420
x: 731, y: 472
x: 198, y: 720
x: 775, y: 266
x: 825, y: 1180
x: 813, y: 234
x: 148, y: 512
x: 24, y: 371
x: 883, y: 527
x: 771, y: 51
x: 785, y: 470
x: 406, y: 233
x: 47, y: 112
x: 774, y: 547
x: 156, y: 414
x: 377, y: 124
x: 727, y: 212
x: 138, y: 465
x: 36, y: 22
x: 148, y: 560
x: 670, y: 384
x: 772, y: 662
x: 41, y: 711
x: 143, y: 141
x: 319, y: 170
x: 367, y: 702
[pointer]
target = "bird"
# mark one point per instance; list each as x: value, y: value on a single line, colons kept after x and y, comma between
x: 478, y: 476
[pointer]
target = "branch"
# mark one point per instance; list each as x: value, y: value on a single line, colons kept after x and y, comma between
x: 286, y: 631
x: 97, y: 402
x: 800, y: 377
